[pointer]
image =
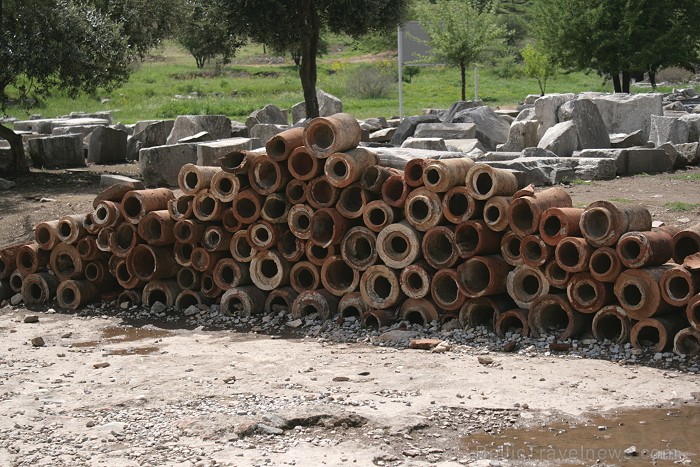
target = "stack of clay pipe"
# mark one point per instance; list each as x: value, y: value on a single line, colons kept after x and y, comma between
x: 315, y: 225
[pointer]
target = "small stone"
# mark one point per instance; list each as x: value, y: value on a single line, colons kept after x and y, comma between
x: 411, y: 453
x: 423, y: 344
x: 602, y: 428
x: 295, y: 323
x: 559, y: 346
x: 90, y: 423
x: 16, y: 299
x: 485, y: 360
x: 658, y: 356
x: 100, y: 365
x: 631, y: 451
x: 230, y: 380
x: 269, y: 430
x: 510, y: 346
x: 66, y: 335
x: 38, y: 342
x: 340, y: 379
x: 683, y: 220
x: 158, y: 308
x: 246, y: 429
x: 31, y: 319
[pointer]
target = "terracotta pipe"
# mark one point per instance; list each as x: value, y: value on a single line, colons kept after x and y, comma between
x: 338, y: 277
x: 181, y: 208
x: 445, y: 290
x: 328, y: 227
x: 267, y: 176
x: 639, y: 293
x: 605, y: 265
x: 474, y: 238
x: 88, y: 250
x: 303, y: 165
x: 352, y: 306
x: 290, y: 247
x: 644, y: 249
x: 188, y: 298
x: 484, y: 311
x: 415, y: 279
x: 156, y: 228
x: 515, y: 319
x: 70, y: 228
x: 125, y: 278
x: 318, y: 254
x: 72, y: 294
x: 439, y: 248
x: 559, y: 223
x: 459, y: 207
x: 188, y: 231
x: 423, y: 209
x: 305, y: 275
x: 420, y: 311
x: 378, y: 319
x: 275, y: 209
x: 230, y: 223
x: 374, y: 177
x: 208, y: 286
x: 131, y: 297
x: 321, y: 194
x: 496, y: 213
x: 246, y: 208
x: 280, y: 301
x: 692, y: 312
x: 687, y: 342
x: 603, y: 222
x: 243, y: 301
x: 188, y: 278
x: 29, y: 259
x: 413, y: 172
x: 102, y: 241
x: 612, y: 323
x: 442, y: 174
x: 525, y: 284
x: 194, y: 178
x: 204, y: 261
x: 114, y: 193
x: 66, y: 262
x: 98, y: 273
x: 183, y: 253
x: 163, y: 291
x: 319, y: 302
x: 484, y: 182
x: 269, y: 270
x: 377, y: 215
x: 510, y: 248
x: 207, y: 208
x: 262, y: 235
x: 359, y: 248
x: 225, y: 186
x: 656, y: 334
x: 552, y: 315
x: 399, y: 245
x: 380, y: 287
x: 138, y: 203
x: 328, y: 135
x: 240, y: 247
x: 14, y: 283
x: 238, y: 162
x: 216, y: 239
x: 112, y: 263
x: 230, y: 273
x: 299, y: 220
x: 149, y: 263
x: 535, y: 252
x: 395, y: 191
x: 524, y: 213
x: 353, y: 201
x: 556, y: 276
x: 345, y: 168
x: 678, y: 285
x: 296, y: 191
x: 89, y: 224
x: 280, y: 146
x: 107, y: 214
x: 573, y: 254
x: 588, y: 295
x: 686, y: 243
x: 46, y: 235
x: 39, y: 288
x: 481, y: 276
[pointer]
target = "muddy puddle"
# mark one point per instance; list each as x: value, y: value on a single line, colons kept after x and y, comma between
x: 660, y: 437
x: 125, y: 334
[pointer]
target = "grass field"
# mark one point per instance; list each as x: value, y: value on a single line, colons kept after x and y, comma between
x: 169, y: 84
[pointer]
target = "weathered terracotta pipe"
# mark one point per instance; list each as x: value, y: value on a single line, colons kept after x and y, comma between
x: 484, y: 311
x: 496, y: 213
x: 656, y: 334
x: 112, y: 264
x: 474, y: 238
x: 88, y: 249
x: 352, y: 201
x: 552, y: 315
x: 556, y: 276
x: 328, y: 135
x: 12, y: 285
x: 149, y: 263
x: 183, y: 253
x: 484, y: 182
x: 104, y: 236
x: 188, y: 298
x: 644, y: 249
x: 613, y: 324
x: 481, y: 276
x: 296, y: 191
x: 163, y: 291
x: 423, y: 209
x: 377, y: 215
x: 687, y: 342
x: 413, y: 172
x: 299, y: 220
x: 125, y: 278
x: 378, y: 319
x: 419, y: 311
x: 395, y: 191
x: 380, y: 287
x: 573, y: 254
x: 188, y: 231
x: 321, y: 194
x: 305, y: 275
x: 303, y: 165
x: 605, y: 265
x: 280, y: 146
x: 359, y: 248
x: 442, y: 174
x: 46, y: 235
x: 603, y: 222
x: 399, y: 245
x: 207, y: 208
x: 156, y: 228
x: 686, y: 243
x: 678, y: 285
x: 89, y: 224
x: 415, y: 279
x: 318, y: 254
x: 130, y: 297
x: 374, y: 177
x: 290, y: 247
x: 438, y: 247
x: 510, y: 248
x: 188, y: 278
x: 524, y: 213
x: 344, y: 168
x: 267, y: 176
x: 338, y: 277
x: 204, y: 261
x: 459, y: 207
x: 225, y: 186
x: 247, y: 206
x: 70, y: 228
x: 328, y: 227
x: 692, y: 312
x: 208, y: 286
x: 243, y: 301
x: 269, y: 270
x: 230, y: 223
x: 181, y: 208
x: 559, y: 223
x: 29, y: 259
x: 262, y: 235
x: 74, y: 294
x: 137, y: 203
x: 194, y: 178
x: 107, y: 214
x: 240, y: 247
x: 525, y: 284
x: 319, y: 302
x: 98, y: 273
x: 280, y: 301
x: 639, y: 293
x: 588, y: 295
x: 39, y: 288
x: 512, y: 320
x: 352, y: 306
x: 445, y: 290
x: 238, y: 162
x: 535, y: 252
x: 216, y: 239
x: 66, y: 262
x: 275, y: 209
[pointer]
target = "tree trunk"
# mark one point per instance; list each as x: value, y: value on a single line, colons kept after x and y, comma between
x: 307, y: 71
x: 626, y: 80
x: 652, y: 79
x: 463, y: 70
x: 616, y: 81
x: 19, y: 163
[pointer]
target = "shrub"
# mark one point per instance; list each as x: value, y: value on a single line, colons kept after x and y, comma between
x: 673, y: 74
x: 370, y: 82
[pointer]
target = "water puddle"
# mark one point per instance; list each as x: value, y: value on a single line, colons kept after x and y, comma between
x: 135, y: 351
x: 661, y: 437
x: 119, y: 334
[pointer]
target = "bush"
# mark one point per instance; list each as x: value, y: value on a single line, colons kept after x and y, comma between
x: 370, y: 82
x: 674, y: 74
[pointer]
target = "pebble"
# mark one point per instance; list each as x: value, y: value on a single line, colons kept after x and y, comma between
x: 16, y: 299
x: 31, y: 319
x: 38, y: 342
x: 100, y: 365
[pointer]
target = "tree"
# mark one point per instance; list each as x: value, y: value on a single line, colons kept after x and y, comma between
x: 461, y: 32
x: 620, y: 36
x: 204, y: 35
x: 538, y: 65
x: 296, y: 25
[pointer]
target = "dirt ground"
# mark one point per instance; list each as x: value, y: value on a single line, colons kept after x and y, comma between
x: 101, y: 392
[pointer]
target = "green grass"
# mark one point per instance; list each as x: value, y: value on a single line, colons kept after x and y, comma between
x: 169, y: 84
x: 679, y: 206
x: 694, y: 176
x: 621, y: 200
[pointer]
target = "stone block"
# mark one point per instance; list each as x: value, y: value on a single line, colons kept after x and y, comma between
x: 690, y: 152
x: 265, y: 131
x: 622, y: 140
x: 445, y: 130
x: 107, y: 146
x: 108, y: 180
x: 382, y: 136
x: 626, y: 113
x: 151, y: 135
x: 561, y: 139
x: 218, y: 126
x: 590, y: 127
x: 431, y: 144
x: 59, y: 151
x: 646, y: 160
x: 42, y: 126
x: 693, y: 122
x: 522, y: 134
x: 457, y: 107
x: 408, y: 127
x: 668, y: 130
x: 161, y: 165
x: 464, y: 145
x: 491, y: 129
x: 85, y: 121
x: 270, y: 114
x: 328, y: 105
x: 209, y: 153
x: 546, y: 110
x: 200, y: 137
